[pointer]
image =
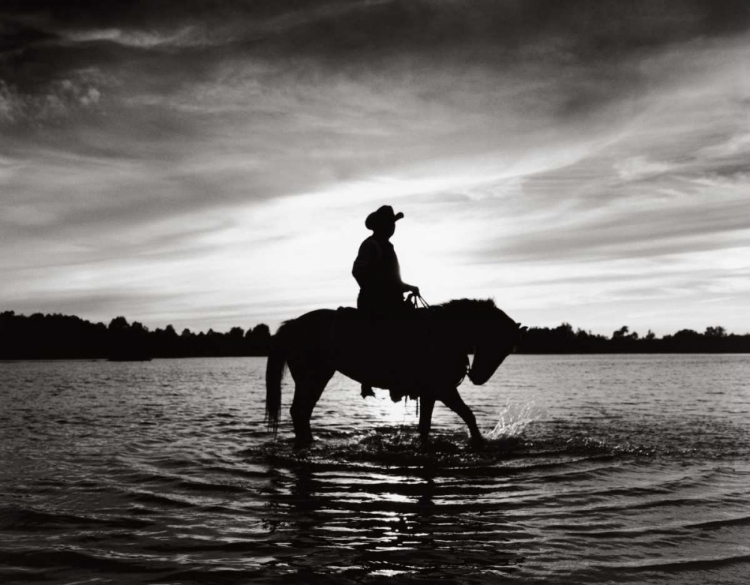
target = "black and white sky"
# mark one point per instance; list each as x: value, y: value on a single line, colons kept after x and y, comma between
x: 210, y: 163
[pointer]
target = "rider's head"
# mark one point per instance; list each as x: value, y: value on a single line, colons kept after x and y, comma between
x: 383, y: 221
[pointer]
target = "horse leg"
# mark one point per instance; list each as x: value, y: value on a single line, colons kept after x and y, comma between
x: 425, y: 417
x: 454, y: 401
x: 307, y: 391
x: 300, y: 412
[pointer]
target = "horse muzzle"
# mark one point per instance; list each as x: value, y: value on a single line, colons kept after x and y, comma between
x: 476, y: 379
x: 480, y: 373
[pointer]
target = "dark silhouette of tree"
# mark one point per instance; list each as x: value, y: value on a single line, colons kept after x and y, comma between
x: 66, y: 337
x: 621, y: 333
x: 715, y: 332
x: 560, y: 340
x: 262, y: 332
x: 119, y: 324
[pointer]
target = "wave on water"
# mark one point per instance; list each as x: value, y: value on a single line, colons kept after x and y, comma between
x: 523, y: 432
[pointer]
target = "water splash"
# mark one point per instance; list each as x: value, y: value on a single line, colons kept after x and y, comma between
x: 513, y: 418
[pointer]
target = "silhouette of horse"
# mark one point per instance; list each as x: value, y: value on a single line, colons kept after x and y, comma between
x: 423, y: 355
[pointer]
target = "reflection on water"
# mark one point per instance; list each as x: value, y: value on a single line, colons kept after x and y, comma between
x: 598, y: 469
x: 374, y: 520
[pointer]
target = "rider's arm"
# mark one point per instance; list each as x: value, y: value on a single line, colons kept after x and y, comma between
x: 403, y: 286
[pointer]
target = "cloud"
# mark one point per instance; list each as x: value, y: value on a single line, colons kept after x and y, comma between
x: 56, y: 102
x: 194, y: 142
x: 639, y: 167
x: 185, y: 37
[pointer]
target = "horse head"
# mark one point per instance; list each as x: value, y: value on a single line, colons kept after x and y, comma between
x: 484, y: 330
x: 488, y: 356
x: 491, y: 349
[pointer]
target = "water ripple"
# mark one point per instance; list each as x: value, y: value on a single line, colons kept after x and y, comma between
x: 163, y: 473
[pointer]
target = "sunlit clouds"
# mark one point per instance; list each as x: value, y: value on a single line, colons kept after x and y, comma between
x: 213, y: 166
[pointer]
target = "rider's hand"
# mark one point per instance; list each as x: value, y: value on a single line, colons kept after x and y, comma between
x: 414, y: 289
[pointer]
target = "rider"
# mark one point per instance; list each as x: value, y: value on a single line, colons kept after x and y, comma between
x: 377, y: 272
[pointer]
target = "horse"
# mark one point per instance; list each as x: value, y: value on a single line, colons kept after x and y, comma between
x: 424, y: 354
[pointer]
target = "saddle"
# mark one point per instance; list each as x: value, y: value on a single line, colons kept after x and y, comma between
x: 388, y: 353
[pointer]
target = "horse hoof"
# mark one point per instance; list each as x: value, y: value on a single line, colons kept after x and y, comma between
x: 478, y: 443
x: 303, y: 443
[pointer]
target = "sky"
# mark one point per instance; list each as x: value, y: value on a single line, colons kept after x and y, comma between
x: 210, y: 163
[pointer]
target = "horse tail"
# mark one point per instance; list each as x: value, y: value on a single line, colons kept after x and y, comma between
x: 275, y: 367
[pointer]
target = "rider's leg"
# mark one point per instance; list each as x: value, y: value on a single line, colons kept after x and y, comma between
x: 364, y: 305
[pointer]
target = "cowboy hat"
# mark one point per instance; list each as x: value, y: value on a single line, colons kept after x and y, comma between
x: 383, y: 216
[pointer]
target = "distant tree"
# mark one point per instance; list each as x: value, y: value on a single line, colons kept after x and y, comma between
x: 686, y: 334
x: 715, y: 332
x: 621, y: 333
x: 685, y: 341
x: 236, y: 332
x: 118, y: 324
x: 258, y: 339
x: 650, y: 335
x: 262, y: 332
x: 138, y: 327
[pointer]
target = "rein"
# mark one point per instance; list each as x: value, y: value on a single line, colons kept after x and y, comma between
x: 416, y: 300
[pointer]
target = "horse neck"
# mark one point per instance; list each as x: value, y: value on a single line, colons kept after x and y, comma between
x: 462, y: 337
x: 462, y: 329
x: 469, y: 321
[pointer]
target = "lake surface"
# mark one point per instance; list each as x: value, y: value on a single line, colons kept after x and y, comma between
x: 600, y: 469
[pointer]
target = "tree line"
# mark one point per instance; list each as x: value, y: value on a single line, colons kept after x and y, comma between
x: 68, y: 337
x: 563, y: 339
x: 58, y: 336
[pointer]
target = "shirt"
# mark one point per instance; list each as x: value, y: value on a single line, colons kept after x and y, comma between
x: 376, y: 268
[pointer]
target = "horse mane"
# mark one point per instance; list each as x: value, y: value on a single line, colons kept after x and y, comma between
x: 472, y: 309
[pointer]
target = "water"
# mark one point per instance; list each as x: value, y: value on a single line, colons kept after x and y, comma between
x: 600, y: 469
